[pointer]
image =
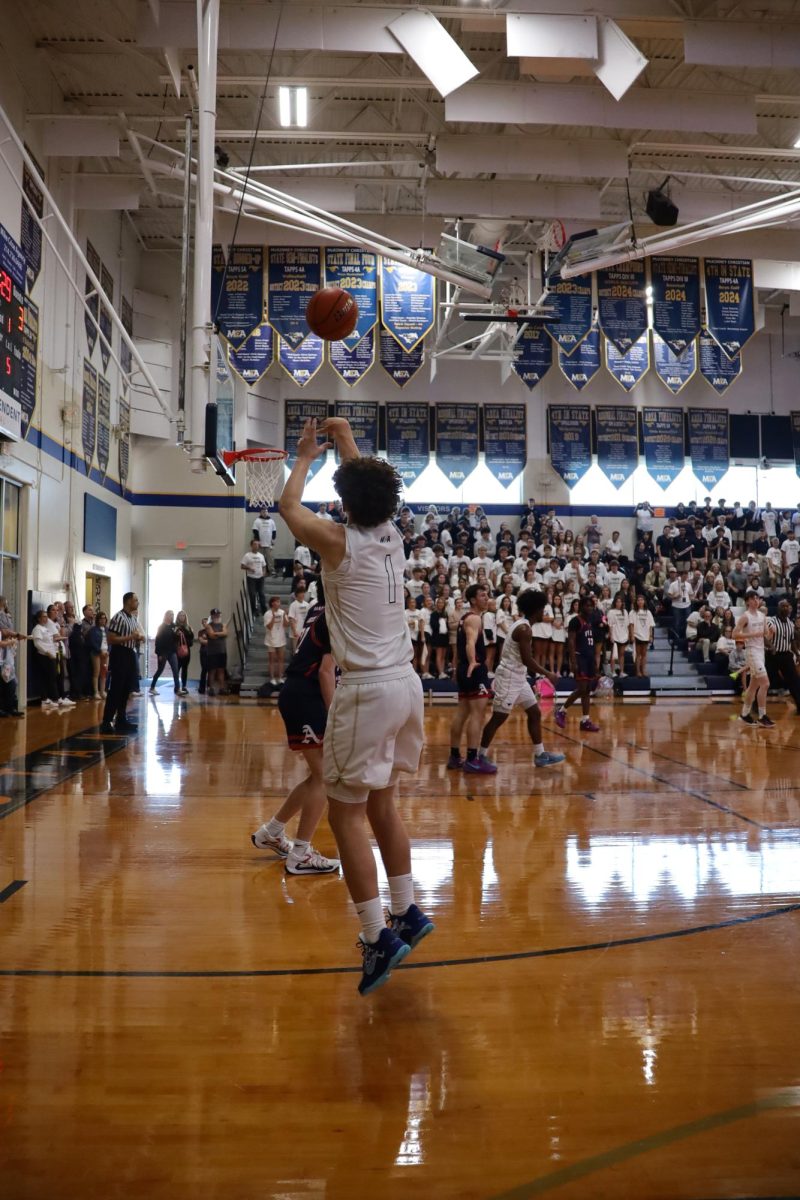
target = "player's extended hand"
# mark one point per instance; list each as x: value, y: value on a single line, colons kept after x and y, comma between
x: 333, y: 426
x: 552, y: 678
x: 308, y: 447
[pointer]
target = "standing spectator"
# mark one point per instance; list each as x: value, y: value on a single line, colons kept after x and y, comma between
x: 645, y: 520
x: 166, y: 647
x: 790, y: 549
x: 782, y: 651
x: 216, y: 652
x: 322, y: 513
x: 769, y: 521
x: 45, y: 637
x: 298, y: 611
x: 124, y: 638
x: 265, y: 531
x: 255, y: 566
x: 619, y: 630
x: 275, y: 625
x: 184, y: 640
x: 9, y: 639
x: 680, y: 594
x: 202, y: 641
x: 97, y: 643
x: 642, y: 625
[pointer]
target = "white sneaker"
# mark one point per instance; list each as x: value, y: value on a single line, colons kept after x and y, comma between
x: 49, y: 704
x: 137, y: 693
x: 265, y: 841
x: 312, y: 863
x: 96, y: 696
x: 66, y: 703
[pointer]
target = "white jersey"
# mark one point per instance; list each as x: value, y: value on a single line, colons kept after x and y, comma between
x: 364, y: 601
x: 511, y: 660
x: 755, y: 624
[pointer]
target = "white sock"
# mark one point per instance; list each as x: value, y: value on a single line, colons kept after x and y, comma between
x: 299, y: 849
x: 370, y: 914
x: 274, y: 828
x: 482, y: 752
x: 538, y: 748
x: 401, y: 889
x: 746, y: 708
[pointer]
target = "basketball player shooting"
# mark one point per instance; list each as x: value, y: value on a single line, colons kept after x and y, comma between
x: 374, y: 728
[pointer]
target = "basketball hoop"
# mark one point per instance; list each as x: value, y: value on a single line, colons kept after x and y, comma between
x: 264, y: 472
x: 553, y: 237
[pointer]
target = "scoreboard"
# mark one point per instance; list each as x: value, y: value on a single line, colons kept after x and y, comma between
x: 12, y: 324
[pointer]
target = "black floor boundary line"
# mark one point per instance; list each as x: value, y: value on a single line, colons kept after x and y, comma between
x: 659, y: 778
x: 12, y: 889
x: 742, y: 787
x: 478, y: 960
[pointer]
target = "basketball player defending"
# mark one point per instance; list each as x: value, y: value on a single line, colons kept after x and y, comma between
x: 474, y: 691
x: 582, y: 664
x: 303, y: 703
x: 511, y: 685
x: 374, y: 726
x: 752, y: 629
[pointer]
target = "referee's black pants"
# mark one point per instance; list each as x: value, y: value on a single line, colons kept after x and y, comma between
x: 782, y: 671
x: 123, y: 672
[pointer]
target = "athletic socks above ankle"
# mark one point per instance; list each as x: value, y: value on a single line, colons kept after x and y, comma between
x: 370, y: 914
x: 274, y: 828
x: 401, y: 890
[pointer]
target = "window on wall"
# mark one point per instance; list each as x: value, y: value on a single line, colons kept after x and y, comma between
x: 9, y: 540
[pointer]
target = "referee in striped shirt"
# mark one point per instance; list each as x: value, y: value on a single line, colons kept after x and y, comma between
x: 124, y: 637
x: 780, y: 654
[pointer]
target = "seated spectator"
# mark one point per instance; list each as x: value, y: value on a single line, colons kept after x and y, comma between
x: 613, y: 547
x: 614, y: 577
x: 724, y: 650
x: 706, y: 633
x: 736, y: 581
x: 718, y: 597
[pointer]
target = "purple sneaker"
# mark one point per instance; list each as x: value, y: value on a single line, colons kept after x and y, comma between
x: 588, y: 726
x: 561, y: 718
x: 479, y: 766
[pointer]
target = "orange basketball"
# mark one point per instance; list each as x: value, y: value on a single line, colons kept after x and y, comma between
x: 332, y: 314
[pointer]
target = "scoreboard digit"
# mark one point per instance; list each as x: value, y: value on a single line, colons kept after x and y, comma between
x: 12, y: 315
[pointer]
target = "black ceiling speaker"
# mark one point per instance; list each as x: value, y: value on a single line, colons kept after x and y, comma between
x: 660, y: 208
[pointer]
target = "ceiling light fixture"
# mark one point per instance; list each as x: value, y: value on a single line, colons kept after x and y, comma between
x: 293, y: 107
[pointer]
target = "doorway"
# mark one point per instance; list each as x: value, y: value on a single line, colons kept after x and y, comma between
x: 98, y: 593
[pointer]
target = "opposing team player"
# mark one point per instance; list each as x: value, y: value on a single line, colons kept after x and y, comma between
x: 303, y: 703
x: 511, y: 685
x: 581, y: 631
x: 752, y: 629
x: 374, y: 726
x: 474, y: 689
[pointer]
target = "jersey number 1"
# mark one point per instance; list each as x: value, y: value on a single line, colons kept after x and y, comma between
x: 387, y: 562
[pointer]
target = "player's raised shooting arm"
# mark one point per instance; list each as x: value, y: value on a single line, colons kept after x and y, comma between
x: 339, y: 429
x: 326, y: 537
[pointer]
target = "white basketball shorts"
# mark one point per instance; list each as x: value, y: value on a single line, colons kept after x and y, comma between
x: 374, y: 731
x: 511, y: 690
x: 754, y: 660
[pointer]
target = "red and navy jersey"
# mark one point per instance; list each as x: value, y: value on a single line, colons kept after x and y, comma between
x: 312, y: 646
x: 584, y: 636
x: 461, y: 642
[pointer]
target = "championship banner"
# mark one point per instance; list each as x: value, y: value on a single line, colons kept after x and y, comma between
x: 408, y: 446
x: 237, y: 304
x: 302, y: 364
x: 89, y: 414
x: 572, y: 301
x: 29, y: 365
x: 297, y: 412
x: 357, y: 272
x: 796, y: 440
x: 662, y: 434
x: 533, y: 355
x: 708, y: 444
x: 126, y: 361
x: 30, y: 238
x: 456, y: 440
x: 580, y: 367
x: 570, y: 434
x: 293, y: 275
x: 351, y: 365
x: 676, y: 300
x: 399, y: 365
x: 673, y: 370
x: 716, y: 368
x: 617, y: 442
x: 622, y: 303
x: 363, y: 418
x: 253, y: 358
x: 408, y: 303
x: 505, y: 440
x: 107, y: 280
x: 92, y: 302
x: 730, y: 306
x: 628, y: 368
x: 124, y: 443
x: 103, y: 424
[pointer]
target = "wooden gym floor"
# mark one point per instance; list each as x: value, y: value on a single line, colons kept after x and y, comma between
x: 609, y: 1007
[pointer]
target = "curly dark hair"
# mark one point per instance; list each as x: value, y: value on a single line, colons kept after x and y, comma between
x: 531, y: 604
x: 370, y: 489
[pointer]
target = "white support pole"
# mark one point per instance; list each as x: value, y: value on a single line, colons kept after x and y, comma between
x: 201, y: 372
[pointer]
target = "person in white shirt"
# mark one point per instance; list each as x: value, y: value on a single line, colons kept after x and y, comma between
x: 573, y: 572
x: 619, y: 633
x: 795, y: 519
x: 298, y: 611
x: 254, y: 564
x: 752, y: 568
x: 613, y: 547
x: 679, y: 592
x: 302, y: 554
x: 642, y: 625
x: 524, y: 540
x: 275, y: 625
x: 718, y: 597
x: 774, y: 557
x: 552, y: 574
x: 753, y: 630
x: 614, y: 578
x: 265, y: 531
x: 46, y: 638
x: 790, y: 549
x: 323, y: 514
x: 645, y: 519
x: 769, y: 520
x: 414, y: 584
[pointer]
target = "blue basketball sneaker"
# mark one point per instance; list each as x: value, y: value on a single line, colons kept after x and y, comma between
x: 379, y: 958
x: 412, y: 926
x: 547, y: 759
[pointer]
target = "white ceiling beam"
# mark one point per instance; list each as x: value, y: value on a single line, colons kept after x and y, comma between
x: 361, y: 30
x: 641, y: 108
x: 105, y: 193
x: 502, y: 198
x: 76, y: 137
x: 337, y: 195
x: 742, y: 44
x: 466, y: 154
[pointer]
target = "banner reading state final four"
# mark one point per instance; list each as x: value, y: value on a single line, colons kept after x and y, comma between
x: 253, y: 358
x: 572, y: 301
x: 457, y: 440
x: 293, y: 275
x: 716, y: 368
x: 505, y: 440
x: 730, y: 308
x: 408, y: 445
x: 533, y: 355
x: 237, y: 291
x: 408, y: 302
x: 580, y: 367
x: 103, y: 424
x: 709, y: 444
x: 674, y: 370
x: 795, y: 416
x: 662, y: 434
x: 352, y: 364
x: 89, y: 414
x: 302, y: 364
x: 357, y: 272
x: 296, y: 413
x: 570, y: 433
x: 399, y: 365
x: 622, y: 303
x: 617, y: 442
x: 363, y: 418
x: 676, y: 300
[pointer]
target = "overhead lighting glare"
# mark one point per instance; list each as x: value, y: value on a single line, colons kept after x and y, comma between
x: 797, y: 143
x: 293, y: 107
x: 437, y: 55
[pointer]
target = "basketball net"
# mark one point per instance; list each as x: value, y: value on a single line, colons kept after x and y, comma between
x: 264, y: 473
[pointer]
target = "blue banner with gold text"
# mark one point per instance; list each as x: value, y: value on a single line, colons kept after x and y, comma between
x: 103, y: 424
x: 457, y: 440
x: 709, y: 444
x: 399, y: 365
x: 29, y: 366
x: 357, y: 272
x: 674, y: 370
x: 572, y: 301
x: 628, y: 368
x: 89, y: 414
x: 796, y: 440
x: 351, y: 365
x: 662, y: 434
x: 237, y: 291
x: 363, y: 418
x: 717, y: 369
x: 570, y: 433
x: 622, y: 303
x: 617, y: 442
x: 505, y: 440
x: 730, y: 306
x: 676, y: 300
x: 253, y: 358
x: 408, y: 303
x: 408, y: 446
x: 533, y: 355
x: 580, y: 367
x: 293, y: 275
x: 296, y: 413
x: 302, y: 364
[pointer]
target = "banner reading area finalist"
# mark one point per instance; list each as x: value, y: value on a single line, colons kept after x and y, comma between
x: 363, y: 418
x: 408, y: 446
x: 730, y: 308
x: 505, y: 440
x: 457, y: 440
x: 29, y: 365
x: 570, y: 441
x: 103, y: 424
x: 408, y: 302
x: 617, y: 442
x: 293, y: 275
x: 237, y: 305
x: 296, y: 413
x: 662, y: 434
x: 357, y: 272
x: 709, y: 444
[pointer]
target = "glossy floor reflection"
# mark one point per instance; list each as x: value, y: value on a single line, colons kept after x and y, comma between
x: 608, y: 1008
